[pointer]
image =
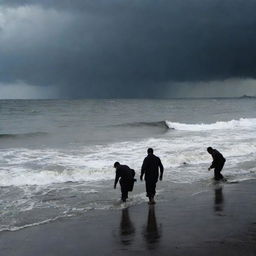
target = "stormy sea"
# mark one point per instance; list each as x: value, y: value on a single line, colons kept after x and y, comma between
x: 57, y: 156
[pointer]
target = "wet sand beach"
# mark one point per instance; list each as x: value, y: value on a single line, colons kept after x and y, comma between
x: 209, y: 219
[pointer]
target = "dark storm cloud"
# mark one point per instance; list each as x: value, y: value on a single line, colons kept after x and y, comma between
x: 126, y: 48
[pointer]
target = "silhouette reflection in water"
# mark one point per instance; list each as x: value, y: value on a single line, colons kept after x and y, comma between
x: 219, y: 200
x: 127, y: 229
x: 152, y: 232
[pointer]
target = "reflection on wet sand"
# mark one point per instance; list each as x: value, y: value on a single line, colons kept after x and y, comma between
x: 152, y: 232
x: 219, y: 200
x: 127, y: 229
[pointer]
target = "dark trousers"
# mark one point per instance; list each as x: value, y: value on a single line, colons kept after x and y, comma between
x: 124, y: 189
x: 151, y: 188
x: 217, y: 170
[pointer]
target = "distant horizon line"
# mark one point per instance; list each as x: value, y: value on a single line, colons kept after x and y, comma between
x: 114, y: 98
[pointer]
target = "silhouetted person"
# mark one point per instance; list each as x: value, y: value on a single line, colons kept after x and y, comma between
x: 126, y: 176
x: 218, y: 202
x: 150, y: 168
x: 127, y: 229
x: 217, y: 163
x: 152, y: 232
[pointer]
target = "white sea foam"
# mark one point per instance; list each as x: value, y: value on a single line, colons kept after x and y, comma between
x: 16, y: 228
x: 242, y: 123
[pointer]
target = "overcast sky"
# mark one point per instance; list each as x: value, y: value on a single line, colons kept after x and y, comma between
x: 127, y: 48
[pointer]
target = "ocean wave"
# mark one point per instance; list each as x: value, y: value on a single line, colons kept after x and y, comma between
x: 21, y: 135
x: 160, y: 124
x: 242, y: 123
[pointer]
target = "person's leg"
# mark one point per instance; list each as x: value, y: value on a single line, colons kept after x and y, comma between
x: 216, y: 174
x: 217, y: 170
x: 148, y: 191
x: 221, y: 176
x: 124, y: 191
x: 153, y: 187
x: 221, y: 167
x: 124, y: 195
x: 151, y: 190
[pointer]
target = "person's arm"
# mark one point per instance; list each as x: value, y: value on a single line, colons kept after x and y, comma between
x: 213, y: 162
x: 117, y: 178
x: 212, y: 165
x: 161, y: 169
x: 143, y: 169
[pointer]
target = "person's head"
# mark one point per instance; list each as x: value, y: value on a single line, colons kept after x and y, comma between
x: 116, y: 164
x: 210, y: 150
x: 150, y: 150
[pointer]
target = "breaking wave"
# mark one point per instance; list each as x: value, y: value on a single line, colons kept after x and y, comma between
x: 242, y: 123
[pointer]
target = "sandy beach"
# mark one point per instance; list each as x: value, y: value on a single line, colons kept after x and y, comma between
x: 210, y: 219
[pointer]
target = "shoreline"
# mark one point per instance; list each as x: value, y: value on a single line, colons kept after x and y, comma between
x: 215, y: 219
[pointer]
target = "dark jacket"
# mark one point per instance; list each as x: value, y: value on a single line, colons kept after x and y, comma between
x: 218, y: 159
x: 150, y: 168
x: 125, y: 173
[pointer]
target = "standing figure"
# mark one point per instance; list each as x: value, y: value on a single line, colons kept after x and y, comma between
x: 126, y: 176
x: 217, y: 163
x: 150, y: 168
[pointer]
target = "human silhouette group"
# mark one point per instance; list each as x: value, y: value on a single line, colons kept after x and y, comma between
x: 152, y: 170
